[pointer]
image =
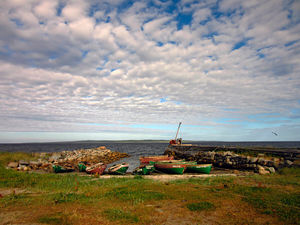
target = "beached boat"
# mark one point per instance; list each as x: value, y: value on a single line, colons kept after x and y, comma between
x: 60, y: 169
x: 147, y: 159
x: 144, y: 169
x: 118, y: 169
x: 200, y: 168
x: 81, y: 167
x: 96, y: 169
x: 170, y: 167
x: 180, y: 161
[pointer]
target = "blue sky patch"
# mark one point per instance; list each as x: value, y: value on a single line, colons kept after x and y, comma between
x: 183, y: 19
x: 84, y: 53
x: 163, y: 100
x: 240, y: 44
x: 18, y: 22
x: 60, y: 7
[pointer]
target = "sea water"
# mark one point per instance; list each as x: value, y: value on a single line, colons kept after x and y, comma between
x: 134, y: 149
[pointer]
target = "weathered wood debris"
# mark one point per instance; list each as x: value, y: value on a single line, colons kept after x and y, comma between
x: 68, y: 159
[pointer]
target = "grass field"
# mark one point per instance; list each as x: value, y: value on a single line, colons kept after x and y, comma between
x: 33, y: 198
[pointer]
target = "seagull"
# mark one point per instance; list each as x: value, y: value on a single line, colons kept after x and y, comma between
x: 274, y: 133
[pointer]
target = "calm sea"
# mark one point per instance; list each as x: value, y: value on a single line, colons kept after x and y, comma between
x: 135, y: 150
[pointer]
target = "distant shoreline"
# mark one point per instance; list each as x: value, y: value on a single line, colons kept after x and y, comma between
x: 139, y: 141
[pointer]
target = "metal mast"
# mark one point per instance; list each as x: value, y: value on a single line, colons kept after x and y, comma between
x: 177, y: 130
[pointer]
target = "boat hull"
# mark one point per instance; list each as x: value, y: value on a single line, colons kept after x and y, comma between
x: 96, y: 169
x: 175, y: 162
x: 144, y: 170
x: 170, y: 168
x: 147, y: 159
x: 204, y: 168
x: 60, y: 169
x: 119, y: 169
x: 81, y: 167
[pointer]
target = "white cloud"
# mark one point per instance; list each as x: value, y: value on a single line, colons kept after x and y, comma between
x: 82, y: 28
x: 116, y: 65
x: 74, y: 10
x: 46, y: 9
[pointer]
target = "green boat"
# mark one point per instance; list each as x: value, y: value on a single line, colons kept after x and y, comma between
x: 144, y: 170
x: 60, y: 169
x: 81, y: 167
x: 170, y: 167
x: 201, y: 168
x: 176, y: 162
x: 119, y: 169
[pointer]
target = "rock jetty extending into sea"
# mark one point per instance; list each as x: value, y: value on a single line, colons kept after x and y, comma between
x: 68, y: 159
x: 259, y: 160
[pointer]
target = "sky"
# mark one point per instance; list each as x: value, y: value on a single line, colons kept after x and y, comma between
x: 229, y: 70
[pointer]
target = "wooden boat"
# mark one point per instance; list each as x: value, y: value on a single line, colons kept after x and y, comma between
x: 176, y: 162
x: 200, y: 168
x: 60, y: 169
x: 118, y: 169
x: 174, y: 168
x: 147, y: 159
x: 81, y: 167
x: 96, y: 169
x: 144, y: 169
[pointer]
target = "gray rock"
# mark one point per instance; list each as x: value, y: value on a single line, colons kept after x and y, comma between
x: 248, y: 159
x: 35, y: 163
x: 23, y: 162
x: 13, y: 164
x: 288, y: 162
x: 261, y: 161
x: 54, y: 157
x: 253, y: 160
x: 269, y: 163
x: 271, y: 169
x: 262, y: 170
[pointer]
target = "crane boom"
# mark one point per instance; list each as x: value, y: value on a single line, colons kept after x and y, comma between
x: 177, y: 131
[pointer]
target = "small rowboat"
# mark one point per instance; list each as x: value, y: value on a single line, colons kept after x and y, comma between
x: 118, y: 169
x: 60, y: 169
x: 201, y: 168
x: 176, y: 162
x: 147, y: 159
x: 170, y: 167
x: 96, y: 169
x: 144, y: 169
x: 81, y: 167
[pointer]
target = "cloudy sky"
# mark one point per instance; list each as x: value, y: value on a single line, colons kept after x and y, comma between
x: 116, y: 69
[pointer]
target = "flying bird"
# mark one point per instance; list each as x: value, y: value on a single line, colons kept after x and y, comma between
x: 274, y: 133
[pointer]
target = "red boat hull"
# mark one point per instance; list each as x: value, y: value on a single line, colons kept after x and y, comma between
x: 97, y: 170
x: 146, y: 160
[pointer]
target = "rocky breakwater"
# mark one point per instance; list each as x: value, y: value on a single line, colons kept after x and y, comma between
x: 68, y: 159
x: 260, y: 163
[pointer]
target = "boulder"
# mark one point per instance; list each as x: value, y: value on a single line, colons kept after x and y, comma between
x: 13, y: 165
x: 23, y: 162
x: 262, y: 170
x: 271, y: 169
x: 55, y: 156
x: 288, y: 162
x: 253, y: 160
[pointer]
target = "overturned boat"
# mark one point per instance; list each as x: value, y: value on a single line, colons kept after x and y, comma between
x: 96, y: 169
x: 119, y: 169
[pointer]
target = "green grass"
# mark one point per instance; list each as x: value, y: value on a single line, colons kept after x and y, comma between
x: 135, y: 194
x: 272, y: 201
x: 119, y: 214
x: 199, y: 206
x: 275, y: 195
x: 54, y: 219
